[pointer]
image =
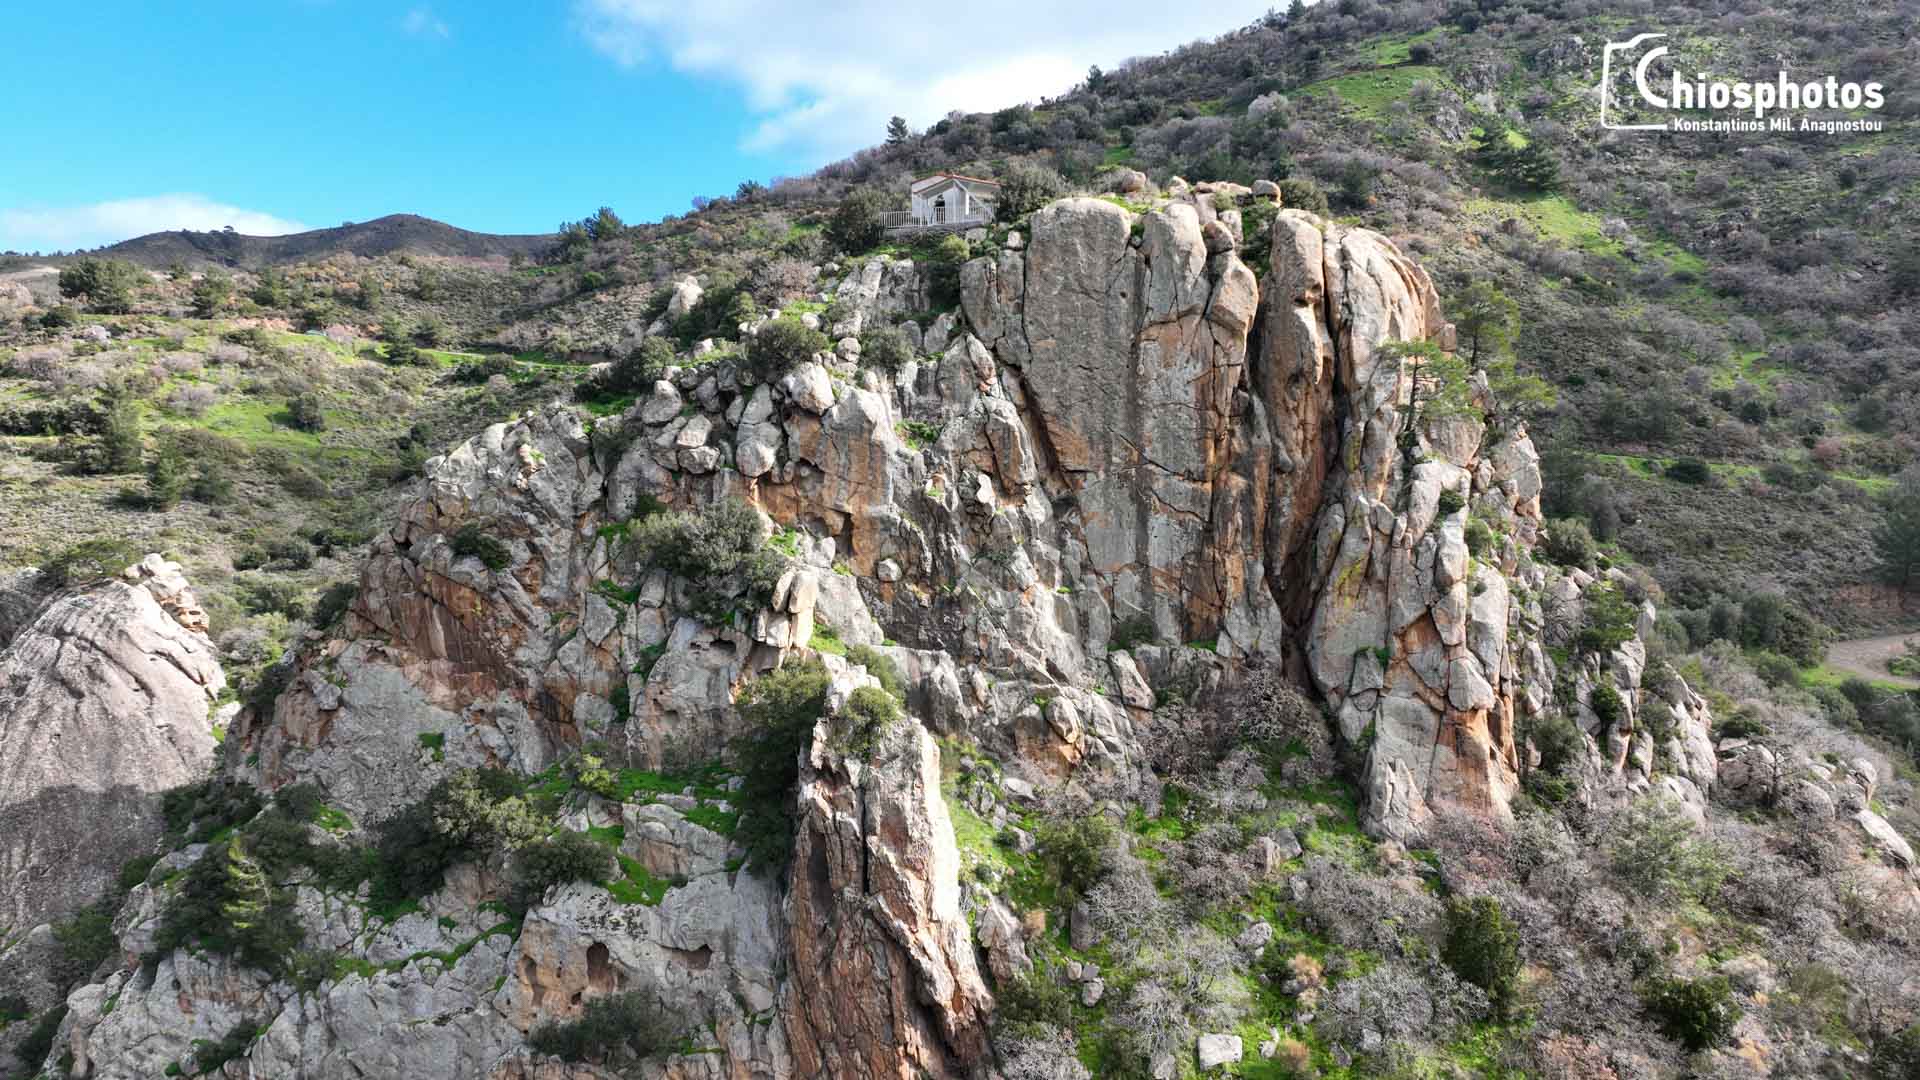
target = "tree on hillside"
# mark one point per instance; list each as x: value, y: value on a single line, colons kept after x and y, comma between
x: 1897, y: 538
x: 107, y: 284
x: 604, y: 225
x: 1441, y: 382
x: 898, y: 131
x: 856, y: 225
x: 1524, y: 167
x: 1486, y: 320
x: 120, y: 445
x: 211, y: 293
x: 1026, y: 188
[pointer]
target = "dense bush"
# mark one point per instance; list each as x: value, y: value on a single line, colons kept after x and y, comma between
x: 1131, y: 631
x: 869, y: 713
x: 1656, y: 851
x: 1608, y: 619
x: 471, y: 540
x: 880, y: 666
x: 632, y: 373
x: 107, y: 284
x: 1026, y: 188
x: 305, y: 412
x: 718, y: 552
x: 228, y: 903
x: 195, y: 812
x: 471, y: 815
x: 614, y: 1031
x: 782, y: 345
x: 1568, y: 543
x: 83, y: 940
x: 1690, y: 470
x: 208, y: 1057
x: 1303, y: 194
x: 1699, y: 1013
x: 89, y: 561
x: 1081, y: 850
x: 1482, y: 946
x: 33, y: 1049
x: 856, y: 225
x: 567, y: 856
x: 884, y: 348
x: 779, y: 710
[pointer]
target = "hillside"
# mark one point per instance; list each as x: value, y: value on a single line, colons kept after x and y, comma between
x: 395, y: 234
x: 1334, y: 583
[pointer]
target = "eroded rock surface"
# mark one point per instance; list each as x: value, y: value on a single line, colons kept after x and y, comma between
x: 104, y: 704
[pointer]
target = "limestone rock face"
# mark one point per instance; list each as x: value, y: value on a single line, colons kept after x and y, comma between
x: 884, y: 981
x: 104, y: 704
x: 1121, y: 435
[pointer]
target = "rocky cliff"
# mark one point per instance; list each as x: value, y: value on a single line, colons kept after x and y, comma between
x: 1123, y: 437
x: 105, y: 702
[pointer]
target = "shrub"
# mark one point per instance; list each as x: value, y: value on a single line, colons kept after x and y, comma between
x: 120, y: 445
x: 856, y: 225
x: 1897, y: 1057
x: 107, y: 284
x: 1026, y: 188
x: 468, y: 816
x: 1303, y: 194
x: 568, y: 856
x: 880, y: 666
x: 166, y: 478
x: 1131, y: 631
x: 718, y: 553
x: 470, y: 540
x: 1449, y: 503
x: 333, y: 603
x: 14, y: 1008
x: 1034, y: 997
x: 209, y: 1056
x: 305, y: 412
x: 229, y: 904
x: 885, y: 348
x: 634, y: 373
x: 480, y: 371
x: 781, y: 346
x: 1655, y: 849
x: 60, y: 317
x: 1608, y: 619
x: 90, y: 561
x: 1568, y: 543
x: 615, y: 1030
x: 1479, y: 536
x: 33, y: 1049
x: 83, y: 940
x: 1690, y: 470
x: 1698, y: 1013
x: 1081, y: 850
x: 778, y: 710
x: 1482, y: 946
x: 1607, y: 705
x: 869, y: 713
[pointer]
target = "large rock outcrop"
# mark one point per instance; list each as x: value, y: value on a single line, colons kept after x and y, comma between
x: 1125, y: 438
x: 104, y: 705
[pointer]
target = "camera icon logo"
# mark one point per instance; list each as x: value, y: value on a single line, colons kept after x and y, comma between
x: 1625, y: 51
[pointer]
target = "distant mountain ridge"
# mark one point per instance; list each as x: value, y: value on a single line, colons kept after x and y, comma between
x: 390, y: 235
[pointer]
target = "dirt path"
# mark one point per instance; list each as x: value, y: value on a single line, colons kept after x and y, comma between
x: 1867, y: 657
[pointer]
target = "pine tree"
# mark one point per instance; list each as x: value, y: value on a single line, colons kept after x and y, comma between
x: 1527, y: 167
x: 119, y: 431
x: 166, y: 478
x: 211, y: 293
x: 1897, y: 540
x: 1486, y: 319
x: 897, y: 131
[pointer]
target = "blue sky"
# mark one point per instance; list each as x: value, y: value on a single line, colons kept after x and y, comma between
x: 129, y: 117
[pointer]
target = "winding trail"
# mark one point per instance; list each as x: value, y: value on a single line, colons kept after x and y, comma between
x: 1867, y: 657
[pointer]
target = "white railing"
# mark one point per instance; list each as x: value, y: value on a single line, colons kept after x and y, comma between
x: 905, y: 221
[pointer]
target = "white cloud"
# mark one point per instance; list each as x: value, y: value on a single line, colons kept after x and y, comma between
x: 422, y: 22
x: 68, y: 227
x: 824, y: 77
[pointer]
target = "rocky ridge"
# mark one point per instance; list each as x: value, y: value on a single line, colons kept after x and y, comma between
x: 1122, y: 430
